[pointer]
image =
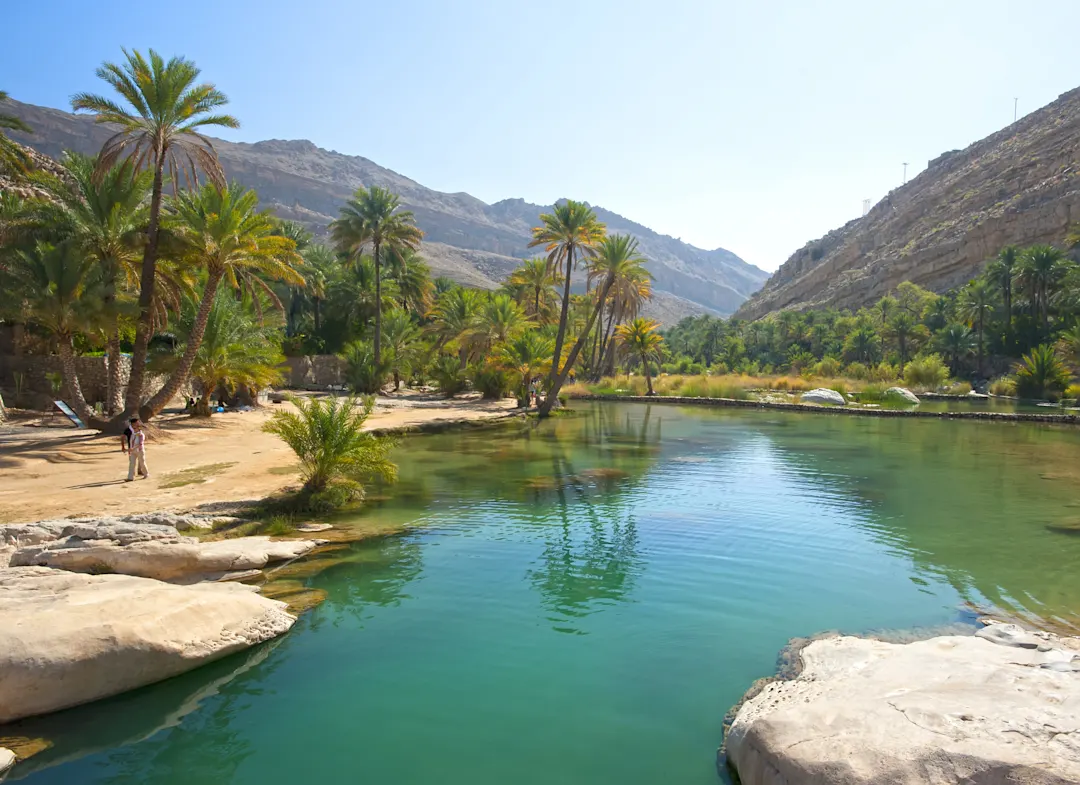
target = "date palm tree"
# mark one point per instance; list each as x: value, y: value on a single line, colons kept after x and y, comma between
x: 498, y: 320
x: 526, y: 357
x: 631, y: 285
x: 401, y: 334
x: 902, y: 328
x: 224, y: 233
x: 413, y: 277
x: 537, y: 281
x: 13, y: 157
x: 957, y: 343
x: 454, y: 319
x: 373, y: 217
x: 569, y: 232
x: 640, y: 338
x: 1000, y: 272
x: 159, y: 130
x: 1040, y: 267
x: 1041, y: 374
x: 975, y: 306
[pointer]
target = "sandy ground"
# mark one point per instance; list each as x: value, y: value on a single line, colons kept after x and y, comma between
x: 48, y: 470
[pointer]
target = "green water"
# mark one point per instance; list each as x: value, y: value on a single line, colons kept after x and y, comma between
x: 581, y: 602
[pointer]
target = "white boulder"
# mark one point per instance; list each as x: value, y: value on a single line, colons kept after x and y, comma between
x: 7, y: 760
x: 106, y: 634
x: 824, y: 396
x: 163, y: 560
x: 952, y: 709
x: 902, y: 392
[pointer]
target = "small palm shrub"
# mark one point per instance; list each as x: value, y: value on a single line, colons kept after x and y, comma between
x: 928, y: 372
x: 1003, y: 385
x: 493, y: 383
x: 447, y: 374
x: 1041, y: 374
x: 828, y: 367
x: 361, y: 373
x: 336, y: 455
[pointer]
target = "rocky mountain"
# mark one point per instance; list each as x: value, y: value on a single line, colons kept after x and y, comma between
x: 466, y: 239
x: 1020, y: 185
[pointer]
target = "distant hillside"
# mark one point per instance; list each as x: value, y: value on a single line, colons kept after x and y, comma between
x: 466, y: 239
x: 1020, y: 185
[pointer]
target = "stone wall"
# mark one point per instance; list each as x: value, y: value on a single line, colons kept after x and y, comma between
x: 316, y: 372
x: 37, y: 391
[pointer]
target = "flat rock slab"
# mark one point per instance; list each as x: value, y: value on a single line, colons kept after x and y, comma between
x: 107, y: 634
x: 953, y: 709
x: 165, y: 561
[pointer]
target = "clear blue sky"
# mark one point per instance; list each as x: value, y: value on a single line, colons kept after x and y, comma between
x: 752, y: 126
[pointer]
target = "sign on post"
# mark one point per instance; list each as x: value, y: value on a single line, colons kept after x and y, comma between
x: 67, y: 411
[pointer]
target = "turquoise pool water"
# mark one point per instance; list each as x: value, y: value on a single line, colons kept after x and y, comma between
x: 583, y: 600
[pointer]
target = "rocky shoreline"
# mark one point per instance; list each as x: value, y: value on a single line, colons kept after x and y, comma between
x: 1061, y: 419
x: 1002, y: 705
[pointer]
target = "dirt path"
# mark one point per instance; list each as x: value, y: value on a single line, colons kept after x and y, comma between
x: 48, y: 471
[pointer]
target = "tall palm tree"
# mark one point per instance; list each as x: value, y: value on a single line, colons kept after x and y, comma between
x: 499, y: 319
x: 902, y: 328
x: 975, y: 305
x: 159, y: 129
x: 631, y: 284
x: 373, y: 217
x: 640, y: 338
x: 957, y: 343
x: 105, y: 216
x: 570, y: 231
x: 454, y: 319
x: 413, y: 277
x: 224, y: 233
x: 55, y: 284
x: 1000, y: 272
x: 537, y: 280
x: 401, y: 334
x: 13, y: 157
x: 1040, y: 267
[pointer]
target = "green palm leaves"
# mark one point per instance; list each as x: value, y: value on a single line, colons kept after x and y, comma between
x: 640, y: 338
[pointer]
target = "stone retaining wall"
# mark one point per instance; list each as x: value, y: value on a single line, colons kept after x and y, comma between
x: 1066, y: 419
x: 315, y: 372
x: 37, y: 390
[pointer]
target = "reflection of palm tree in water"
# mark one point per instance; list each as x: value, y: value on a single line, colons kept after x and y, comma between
x: 375, y: 573
x: 593, y: 560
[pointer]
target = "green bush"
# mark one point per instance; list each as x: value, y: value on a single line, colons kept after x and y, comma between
x: 1003, y: 385
x: 872, y: 393
x: 928, y: 372
x: 447, y: 374
x: 883, y: 372
x: 857, y: 371
x: 827, y: 367
x: 491, y: 382
x: 361, y: 373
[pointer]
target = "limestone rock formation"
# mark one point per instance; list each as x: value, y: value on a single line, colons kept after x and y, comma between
x: 902, y: 392
x: 823, y: 396
x: 165, y: 560
x: 111, y: 633
x: 953, y: 709
x: 1018, y: 186
x: 472, y: 242
x: 7, y: 760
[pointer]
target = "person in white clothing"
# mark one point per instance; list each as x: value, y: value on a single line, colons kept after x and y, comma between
x: 137, y: 452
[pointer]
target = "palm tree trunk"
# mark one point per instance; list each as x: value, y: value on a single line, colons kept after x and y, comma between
x: 980, y: 361
x: 536, y: 305
x: 71, y: 381
x: 560, y: 336
x: 648, y: 376
x: 596, y: 343
x: 180, y: 375
x: 145, y: 327
x: 378, y: 309
x: 113, y: 401
x: 318, y: 314
x: 607, y: 360
x: 560, y: 378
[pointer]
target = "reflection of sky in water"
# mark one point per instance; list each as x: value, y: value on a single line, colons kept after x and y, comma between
x: 581, y: 602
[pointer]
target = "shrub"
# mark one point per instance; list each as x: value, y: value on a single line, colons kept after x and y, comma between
x: 713, y: 387
x: 447, y: 374
x: 493, y: 383
x: 872, y: 393
x: 327, y: 435
x: 883, y: 372
x: 1041, y: 374
x: 1072, y: 391
x: 926, y: 373
x: 958, y: 388
x: 857, y: 371
x: 828, y: 367
x: 1003, y: 385
x: 361, y: 374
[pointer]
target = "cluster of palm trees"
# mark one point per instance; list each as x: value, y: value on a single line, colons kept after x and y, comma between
x: 1025, y: 298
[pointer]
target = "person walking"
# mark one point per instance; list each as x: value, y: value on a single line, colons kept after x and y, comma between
x: 137, y: 451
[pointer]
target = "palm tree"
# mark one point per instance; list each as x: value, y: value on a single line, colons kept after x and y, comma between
x: 400, y: 333
x: 413, y: 278
x: 159, y: 130
x: 1040, y: 267
x: 640, y: 338
x: 1041, y: 374
x: 13, y: 157
x: 224, y: 233
x: 617, y: 257
x: 571, y: 230
x: 328, y: 436
x: 957, y: 343
x: 527, y: 357
x: 55, y: 284
x: 372, y: 217
x: 318, y: 259
x: 537, y: 280
x: 863, y: 345
x: 902, y: 328
x: 1000, y: 272
x: 105, y: 215
x: 454, y: 319
x: 975, y: 306
x: 499, y: 319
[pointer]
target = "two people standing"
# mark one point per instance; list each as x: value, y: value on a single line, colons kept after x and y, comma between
x: 133, y: 443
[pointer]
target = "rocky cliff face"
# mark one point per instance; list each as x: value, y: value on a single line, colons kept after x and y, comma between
x: 466, y: 239
x: 1020, y: 185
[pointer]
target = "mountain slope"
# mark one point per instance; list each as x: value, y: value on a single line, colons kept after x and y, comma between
x: 1018, y: 186
x: 466, y: 239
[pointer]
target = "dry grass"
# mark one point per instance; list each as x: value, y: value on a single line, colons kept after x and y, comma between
x: 738, y: 386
